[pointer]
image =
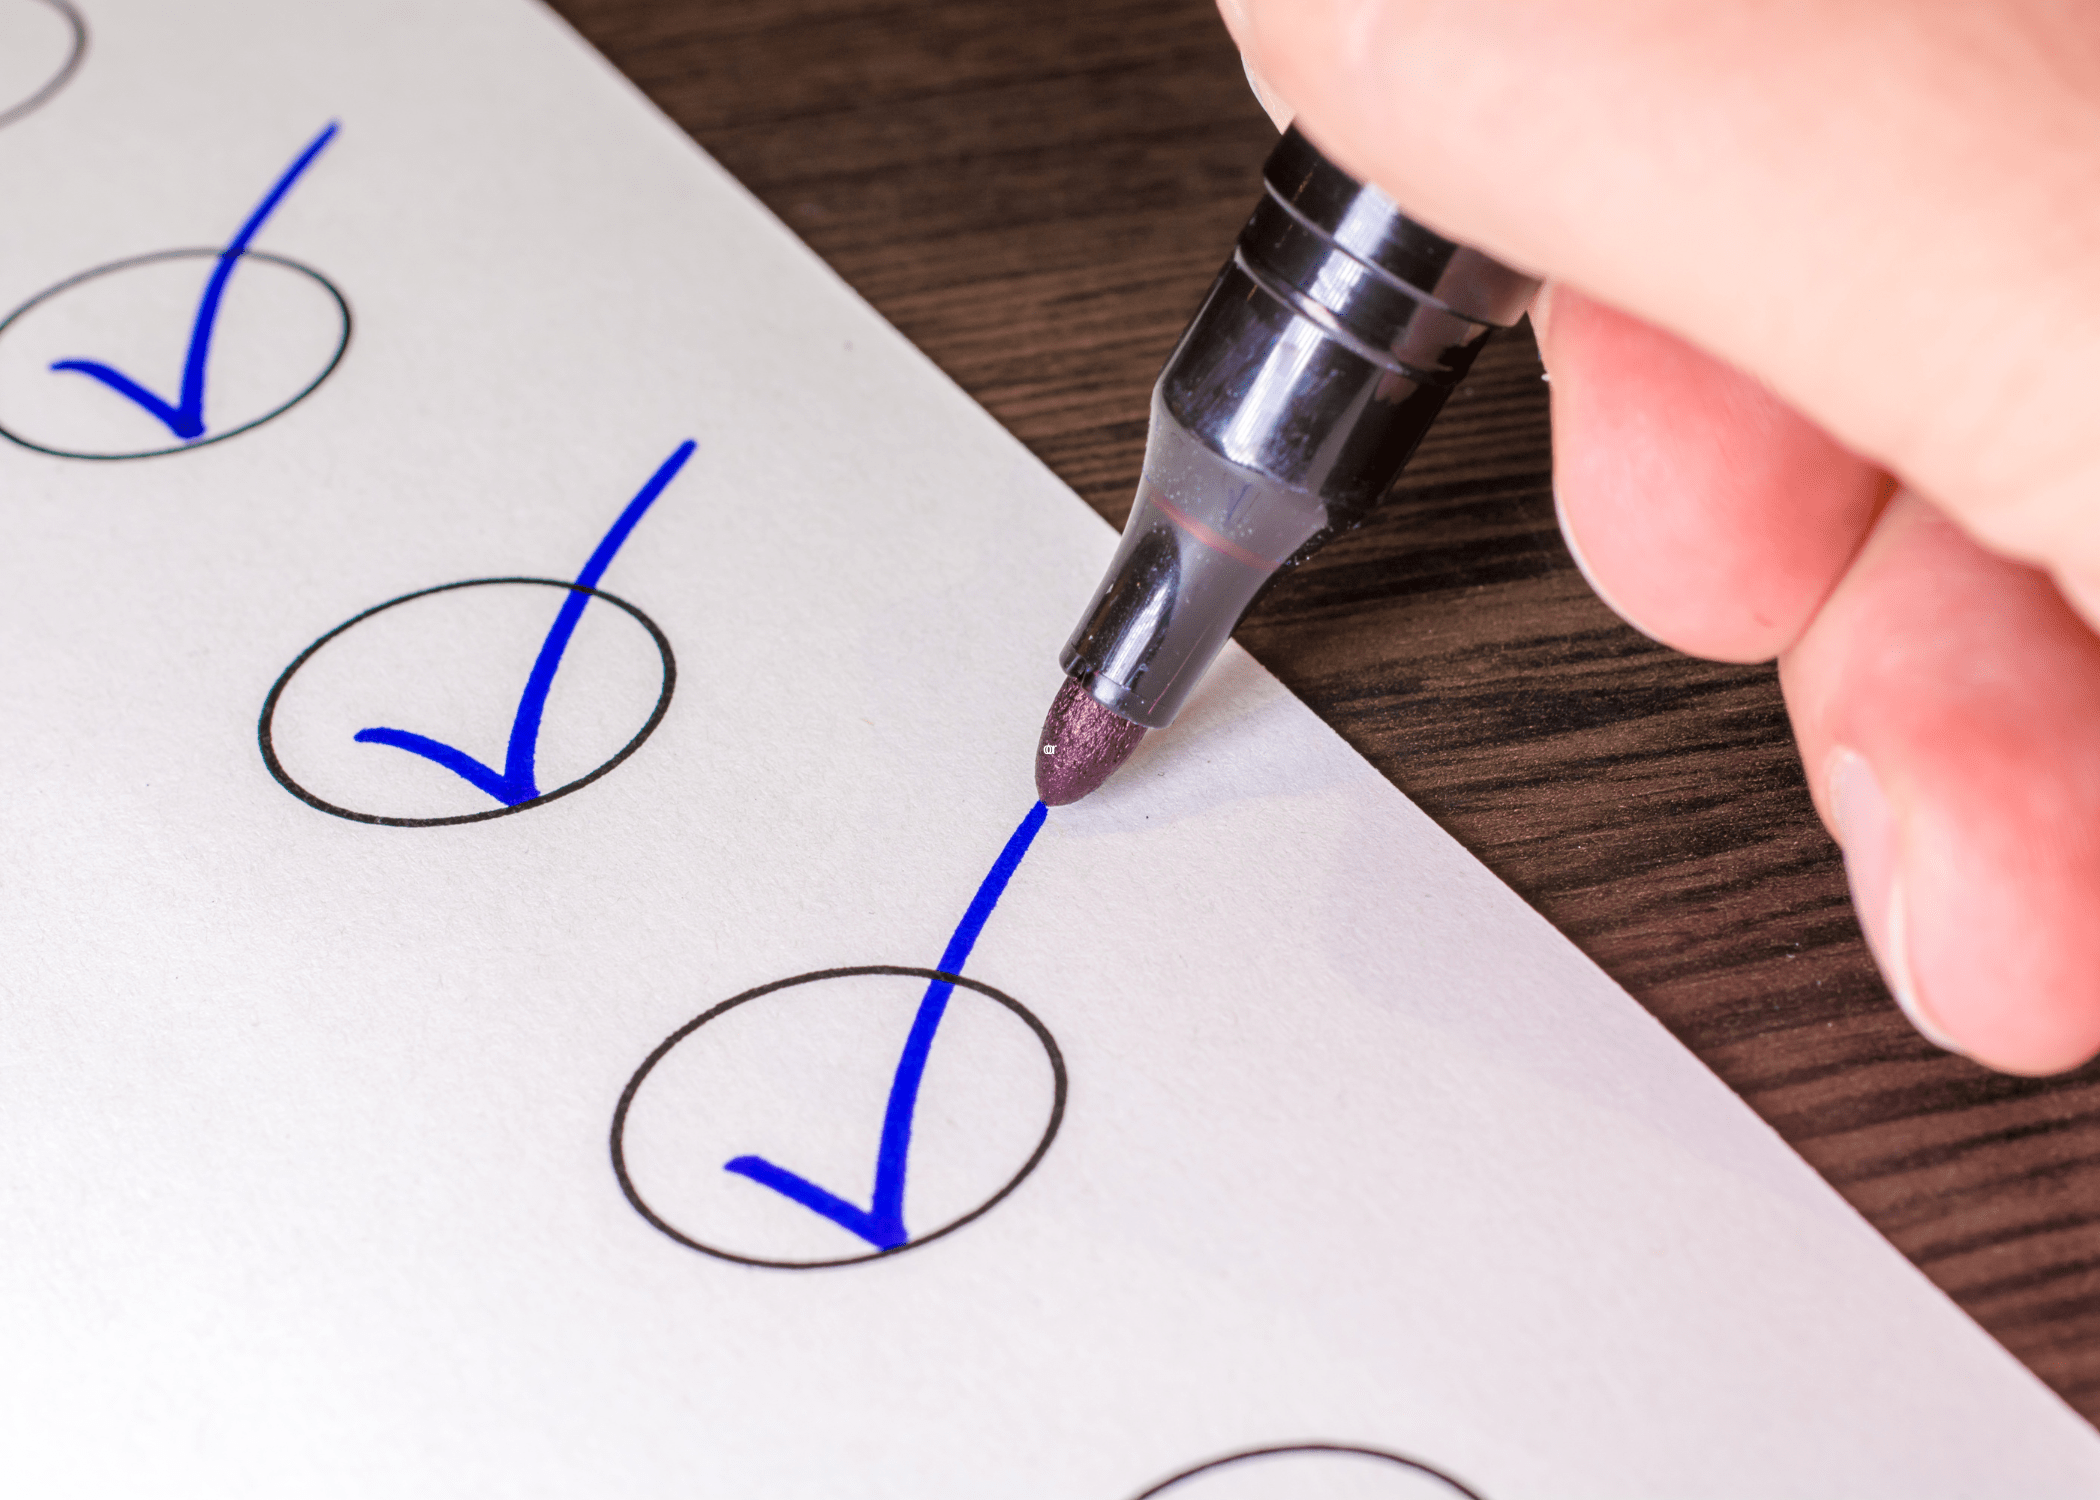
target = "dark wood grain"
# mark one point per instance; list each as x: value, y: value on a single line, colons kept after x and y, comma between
x: 1038, y: 195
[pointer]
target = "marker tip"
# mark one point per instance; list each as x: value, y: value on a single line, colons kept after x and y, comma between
x: 1081, y: 745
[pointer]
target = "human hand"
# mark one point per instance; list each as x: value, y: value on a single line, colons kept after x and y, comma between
x: 1823, y: 324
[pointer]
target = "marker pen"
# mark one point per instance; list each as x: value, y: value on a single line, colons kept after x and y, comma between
x: 1321, y: 356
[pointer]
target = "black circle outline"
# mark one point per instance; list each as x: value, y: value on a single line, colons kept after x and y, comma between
x: 663, y: 1048
x: 1232, y: 1458
x: 342, y: 347
x: 65, y: 73
x: 284, y: 777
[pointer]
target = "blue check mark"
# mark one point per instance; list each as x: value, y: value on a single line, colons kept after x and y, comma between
x: 881, y: 1224
x: 515, y: 783
x: 185, y: 416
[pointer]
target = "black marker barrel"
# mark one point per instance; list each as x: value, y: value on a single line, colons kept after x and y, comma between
x: 1321, y: 356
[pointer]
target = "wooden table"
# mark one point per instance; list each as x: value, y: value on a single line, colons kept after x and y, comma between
x: 1038, y: 196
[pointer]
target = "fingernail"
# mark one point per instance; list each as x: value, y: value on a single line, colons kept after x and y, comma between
x: 1867, y: 829
x: 1589, y: 576
x: 1279, y: 113
x: 1236, y: 22
x: 1542, y: 318
x: 1563, y: 406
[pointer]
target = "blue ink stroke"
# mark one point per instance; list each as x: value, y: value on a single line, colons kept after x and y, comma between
x: 515, y: 782
x: 882, y: 1224
x: 185, y: 418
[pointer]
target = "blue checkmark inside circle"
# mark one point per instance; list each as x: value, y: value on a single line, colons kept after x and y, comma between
x: 881, y: 1223
x: 516, y: 783
x: 184, y: 416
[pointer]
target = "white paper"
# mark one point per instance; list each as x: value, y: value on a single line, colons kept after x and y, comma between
x: 308, y: 1180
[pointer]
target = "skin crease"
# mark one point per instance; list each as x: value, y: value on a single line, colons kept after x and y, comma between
x: 1797, y: 247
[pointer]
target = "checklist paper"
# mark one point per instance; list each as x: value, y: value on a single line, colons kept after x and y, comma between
x: 533, y: 966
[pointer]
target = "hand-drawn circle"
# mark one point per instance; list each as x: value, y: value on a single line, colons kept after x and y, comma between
x: 1284, y: 1450
x: 9, y: 113
x: 341, y: 348
x: 1059, y: 1087
x: 656, y: 716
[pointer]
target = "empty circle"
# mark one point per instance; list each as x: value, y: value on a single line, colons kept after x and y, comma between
x: 41, y: 44
x: 281, y: 329
x: 451, y: 664
x: 1312, y: 1471
x: 800, y: 1073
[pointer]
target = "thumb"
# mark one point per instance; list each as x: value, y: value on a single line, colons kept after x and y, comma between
x: 1885, y: 210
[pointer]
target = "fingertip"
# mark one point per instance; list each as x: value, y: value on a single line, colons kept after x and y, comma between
x: 1949, y: 702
